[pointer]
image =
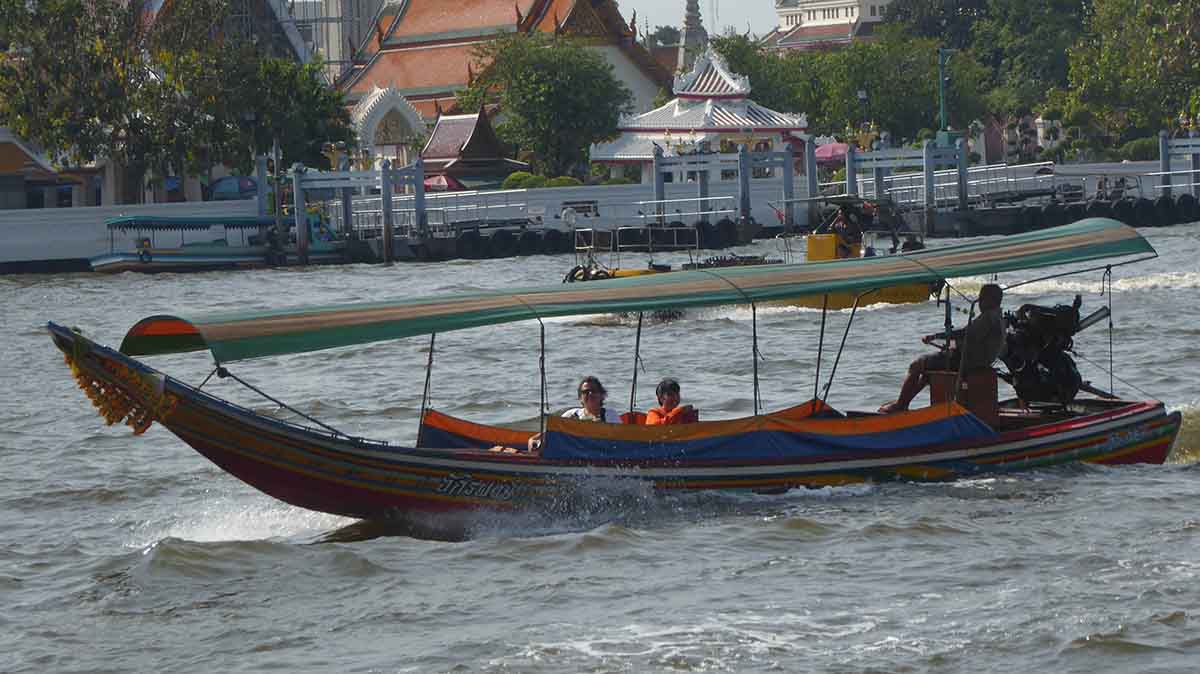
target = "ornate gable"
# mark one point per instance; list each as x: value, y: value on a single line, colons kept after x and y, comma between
x: 710, y: 77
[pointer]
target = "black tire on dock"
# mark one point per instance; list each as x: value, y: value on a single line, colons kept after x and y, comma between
x: 1123, y: 210
x: 662, y: 236
x: 1164, y: 211
x: 727, y: 233
x: 1053, y: 215
x: 553, y: 241
x: 501, y: 243
x: 1187, y: 208
x: 1099, y: 209
x: 1029, y: 218
x: 1075, y: 212
x: 529, y: 243
x: 469, y: 245
x: 1143, y: 213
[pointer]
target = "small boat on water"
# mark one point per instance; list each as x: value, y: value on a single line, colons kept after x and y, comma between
x: 209, y: 243
x: 458, y: 468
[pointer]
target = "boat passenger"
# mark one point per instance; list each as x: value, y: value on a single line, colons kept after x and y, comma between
x: 669, y: 410
x: 591, y: 400
x: 981, y: 342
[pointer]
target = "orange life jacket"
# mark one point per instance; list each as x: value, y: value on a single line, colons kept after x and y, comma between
x: 682, y: 414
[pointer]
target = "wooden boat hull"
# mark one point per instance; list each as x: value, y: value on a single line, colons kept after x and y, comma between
x: 321, y: 471
x: 188, y: 259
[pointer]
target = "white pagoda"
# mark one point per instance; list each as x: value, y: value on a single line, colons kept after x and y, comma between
x: 711, y: 113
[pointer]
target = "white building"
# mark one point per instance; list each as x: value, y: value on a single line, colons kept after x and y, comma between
x: 813, y: 24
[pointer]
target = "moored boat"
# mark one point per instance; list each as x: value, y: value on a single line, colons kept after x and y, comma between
x: 460, y: 467
x: 228, y: 242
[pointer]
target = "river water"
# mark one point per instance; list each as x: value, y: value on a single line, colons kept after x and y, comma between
x: 122, y: 553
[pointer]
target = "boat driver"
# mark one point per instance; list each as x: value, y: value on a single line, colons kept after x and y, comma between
x: 980, y: 342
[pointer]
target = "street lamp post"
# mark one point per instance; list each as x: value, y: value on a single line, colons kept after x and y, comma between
x: 943, y: 57
x: 862, y: 101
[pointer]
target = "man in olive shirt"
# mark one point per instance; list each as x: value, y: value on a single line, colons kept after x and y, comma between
x: 980, y: 342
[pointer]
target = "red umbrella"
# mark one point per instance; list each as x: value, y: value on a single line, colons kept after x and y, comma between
x: 442, y: 183
x: 831, y: 152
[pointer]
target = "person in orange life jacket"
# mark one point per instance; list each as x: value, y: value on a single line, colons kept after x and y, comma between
x: 591, y: 399
x: 669, y: 410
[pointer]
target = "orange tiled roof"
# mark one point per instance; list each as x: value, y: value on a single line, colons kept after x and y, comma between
x: 441, y: 68
x: 554, y: 9
x: 430, y: 17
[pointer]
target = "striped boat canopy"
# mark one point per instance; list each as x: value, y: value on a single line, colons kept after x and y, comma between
x: 250, y: 335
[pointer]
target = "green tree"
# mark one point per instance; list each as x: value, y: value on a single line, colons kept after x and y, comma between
x: 1134, y: 70
x: 1024, y: 43
x: 663, y: 36
x: 290, y: 102
x: 106, y: 78
x: 557, y: 97
x: 947, y: 21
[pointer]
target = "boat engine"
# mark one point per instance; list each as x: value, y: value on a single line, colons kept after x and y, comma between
x: 1036, y: 351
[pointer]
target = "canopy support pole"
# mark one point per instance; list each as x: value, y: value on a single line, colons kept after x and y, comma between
x: 637, y: 357
x: 425, y: 394
x: 754, y: 328
x: 1108, y: 281
x: 820, y: 347
x: 842, y: 346
x: 542, y: 368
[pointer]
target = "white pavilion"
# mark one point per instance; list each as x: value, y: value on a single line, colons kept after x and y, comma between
x: 711, y: 113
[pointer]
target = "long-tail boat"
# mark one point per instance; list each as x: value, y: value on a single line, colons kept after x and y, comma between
x: 458, y: 468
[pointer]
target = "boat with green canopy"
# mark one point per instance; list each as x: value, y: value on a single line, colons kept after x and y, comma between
x: 458, y: 467
x: 210, y: 243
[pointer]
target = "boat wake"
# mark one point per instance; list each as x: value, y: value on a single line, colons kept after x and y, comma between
x: 1187, y: 444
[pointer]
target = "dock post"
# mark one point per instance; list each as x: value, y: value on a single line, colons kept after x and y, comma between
x: 385, y: 201
x: 877, y: 173
x: 301, y: 212
x: 743, y: 185
x: 930, y: 186
x: 347, y: 200
x: 851, y: 171
x: 660, y: 187
x: 260, y: 174
x: 960, y: 147
x: 1164, y: 162
x: 810, y: 173
x: 1194, y: 176
x: 420, y: 219
x: 702, y: 189
x: 789, y: 188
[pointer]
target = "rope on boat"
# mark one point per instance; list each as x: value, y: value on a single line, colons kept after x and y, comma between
x: 1108, y: 277
x: 637, y: 358
x: 210, y: 376
x: 224, y: 373
x: 754, y: 319
x: 1149, y: 396
x: 425, y: 392
x: 541, y: 361
x: 842, y: 346
x: 820, y: 347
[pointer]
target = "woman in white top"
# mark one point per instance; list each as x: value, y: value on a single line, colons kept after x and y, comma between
x: 591, y: 399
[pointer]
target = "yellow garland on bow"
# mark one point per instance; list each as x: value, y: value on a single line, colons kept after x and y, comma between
x: 113, y: 400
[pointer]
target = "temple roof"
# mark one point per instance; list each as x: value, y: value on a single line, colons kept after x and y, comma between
x: 710, y: 77
x: 467, y: 142
x: 740, y: 114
